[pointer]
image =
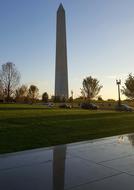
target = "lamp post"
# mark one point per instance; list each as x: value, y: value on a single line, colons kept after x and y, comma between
x: 118, y: 82
x: 72, y: 93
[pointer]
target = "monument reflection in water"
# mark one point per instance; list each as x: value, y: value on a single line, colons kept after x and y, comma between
x: 59, y: 159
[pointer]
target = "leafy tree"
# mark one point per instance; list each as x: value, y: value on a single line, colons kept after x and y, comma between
x: 70, y: 99
x: 33, y: 93
x: 10, y: 78
x: 91, y: 87
x: 21, y: 93
x: 45, y: 97
x: 128, y: 89
x: 100, y: 98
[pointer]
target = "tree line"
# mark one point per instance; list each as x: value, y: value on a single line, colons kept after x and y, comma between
x: 91, y: 87
x: 10, y: 89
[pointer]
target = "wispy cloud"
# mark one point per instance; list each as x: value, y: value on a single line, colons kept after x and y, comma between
x: 111, y: 77
x: 118, y: 76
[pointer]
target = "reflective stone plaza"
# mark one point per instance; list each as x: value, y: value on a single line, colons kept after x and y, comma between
x: 97, y: 164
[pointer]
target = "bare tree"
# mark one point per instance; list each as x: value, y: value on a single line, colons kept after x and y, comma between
x: 10, y: 78
x: 1, y: 91
x: 33, y: 93
x: 91, y: 87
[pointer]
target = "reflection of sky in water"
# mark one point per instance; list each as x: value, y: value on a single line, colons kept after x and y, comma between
x: 63, y: 166
x: 66, y: 166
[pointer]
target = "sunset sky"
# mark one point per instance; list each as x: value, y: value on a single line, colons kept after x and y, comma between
x: 100, y: 41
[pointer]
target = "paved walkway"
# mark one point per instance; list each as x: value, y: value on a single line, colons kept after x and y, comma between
x: 100, y: 164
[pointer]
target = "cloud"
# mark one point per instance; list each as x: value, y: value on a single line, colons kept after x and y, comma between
x: 111, y: 77
x: 118, y: 76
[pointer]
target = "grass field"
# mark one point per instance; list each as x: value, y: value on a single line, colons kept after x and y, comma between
x: 27, y: 126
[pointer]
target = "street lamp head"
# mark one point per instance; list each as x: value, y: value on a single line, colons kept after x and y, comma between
x: 118, y: 82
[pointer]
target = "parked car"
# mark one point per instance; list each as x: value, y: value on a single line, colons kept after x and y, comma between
x: 48, y: 104
x: 89, y: 106
x: 68, y: 106
x: 123, y: 107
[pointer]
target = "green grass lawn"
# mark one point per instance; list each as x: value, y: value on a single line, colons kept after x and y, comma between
x: 27, y: 126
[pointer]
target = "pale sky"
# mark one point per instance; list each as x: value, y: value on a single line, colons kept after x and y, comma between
x: 100, y: 41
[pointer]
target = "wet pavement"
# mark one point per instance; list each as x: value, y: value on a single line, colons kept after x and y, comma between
x: 106, y: 163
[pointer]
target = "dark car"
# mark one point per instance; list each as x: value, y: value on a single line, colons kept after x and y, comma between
x: 89, y: 106
x: 68, y: 106
x: 123, y: 107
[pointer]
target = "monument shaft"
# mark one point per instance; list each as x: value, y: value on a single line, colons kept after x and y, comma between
x: 61, y: 70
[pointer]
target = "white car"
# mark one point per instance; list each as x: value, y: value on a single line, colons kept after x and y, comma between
x: 124, y: 107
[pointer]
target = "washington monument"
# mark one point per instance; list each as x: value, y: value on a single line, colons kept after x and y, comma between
x: 61, y: 71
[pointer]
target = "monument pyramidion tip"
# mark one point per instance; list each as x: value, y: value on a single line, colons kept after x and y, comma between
x: 60, y: 7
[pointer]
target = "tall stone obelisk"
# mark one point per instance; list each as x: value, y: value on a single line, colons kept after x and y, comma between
x: 61, y: 70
